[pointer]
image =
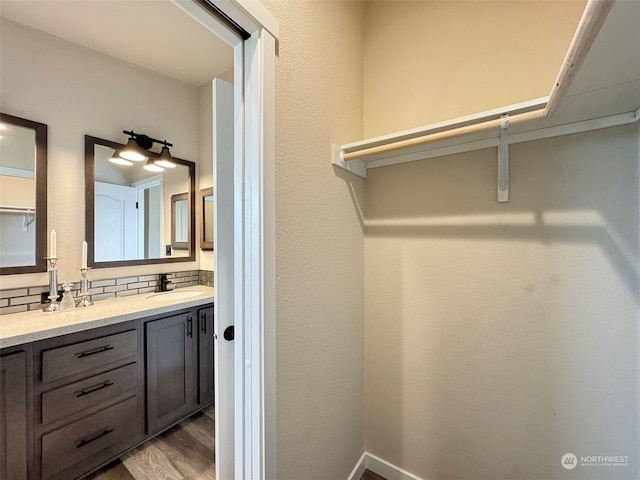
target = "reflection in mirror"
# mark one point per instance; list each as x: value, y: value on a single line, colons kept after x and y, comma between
x: 23, y: 195
x: 179, y: 222
x: 129, y: 209
x: 206, y: 204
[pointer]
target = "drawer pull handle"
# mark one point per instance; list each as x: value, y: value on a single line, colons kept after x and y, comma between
x: 88, y: 353
x: 93, y: 439
x: 203, y: 323
x: 106, y: 384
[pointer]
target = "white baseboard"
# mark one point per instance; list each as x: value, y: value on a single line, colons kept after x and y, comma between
x: 381, y: 467
x: 359, y: 469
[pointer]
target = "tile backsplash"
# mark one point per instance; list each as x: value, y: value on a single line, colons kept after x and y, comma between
x: 206, y: 278
x: 28, y: 298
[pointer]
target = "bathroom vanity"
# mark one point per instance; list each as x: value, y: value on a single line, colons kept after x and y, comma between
x: 80, y: 388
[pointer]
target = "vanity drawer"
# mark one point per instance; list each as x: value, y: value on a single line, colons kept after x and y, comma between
x: 90, y: 441
x: 80, y: 357
x: 88, y: 393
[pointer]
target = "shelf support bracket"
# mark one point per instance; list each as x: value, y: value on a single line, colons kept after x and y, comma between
x: 356, y: 167
x: 503, y: 161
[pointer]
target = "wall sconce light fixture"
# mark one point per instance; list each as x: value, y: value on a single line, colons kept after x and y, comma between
x: 132, y: 151
x: 165, y: 160
x: 118, y: 160
x: 152, y: 166
x: 135, y: 151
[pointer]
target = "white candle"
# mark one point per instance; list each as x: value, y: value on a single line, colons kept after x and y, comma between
x: 84, y: 254
x: 52, y: 246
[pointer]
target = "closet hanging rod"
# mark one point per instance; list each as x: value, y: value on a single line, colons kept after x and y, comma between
x: 11, y: 209
x: 445, y: 135
x: 593, y: 17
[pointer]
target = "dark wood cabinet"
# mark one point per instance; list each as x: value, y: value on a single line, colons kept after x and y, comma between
x: 171, y: 367
x: 75, y: 449
x: 205, y: 356
x: 72, y: 403
x: 13, y: 416
x: 88, y: 403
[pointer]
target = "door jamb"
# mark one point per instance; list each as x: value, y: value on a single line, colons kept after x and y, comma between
x: 254, y: 230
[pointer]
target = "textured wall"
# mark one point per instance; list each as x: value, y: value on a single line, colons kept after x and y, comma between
x: 320, y: 299
x: 76, y: 91
x: 501, y: 336
x: 429, y: 61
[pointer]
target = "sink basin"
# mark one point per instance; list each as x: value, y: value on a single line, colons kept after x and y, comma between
x: 173, y: 295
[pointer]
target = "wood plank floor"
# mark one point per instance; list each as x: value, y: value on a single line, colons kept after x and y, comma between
x: 369, y: 475
x: 184, y: 452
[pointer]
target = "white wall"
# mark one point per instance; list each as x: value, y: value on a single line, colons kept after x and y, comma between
x: 501, y: 336
x: 319, y: 257
x: 429, y: 61
x: 76, y: 91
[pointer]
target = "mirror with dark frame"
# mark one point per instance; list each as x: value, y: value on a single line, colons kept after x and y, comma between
x: 130, y: 211
x: 179, y: 221
x: 206, y: 206
x: 23, y: 195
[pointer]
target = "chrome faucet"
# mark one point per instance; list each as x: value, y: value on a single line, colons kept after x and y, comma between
x: 165, y: 283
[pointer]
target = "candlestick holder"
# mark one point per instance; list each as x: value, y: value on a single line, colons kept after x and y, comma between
x: 83, y: 301
x: 54, y: 306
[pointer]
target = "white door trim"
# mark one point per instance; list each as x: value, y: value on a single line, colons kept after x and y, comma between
x: 255, y: 266
x: 254, y: 230
x: 223, y: 189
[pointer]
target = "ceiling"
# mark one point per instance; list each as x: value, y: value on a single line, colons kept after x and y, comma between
x: 154, y: 34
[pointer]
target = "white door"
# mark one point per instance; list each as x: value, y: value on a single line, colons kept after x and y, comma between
x: 222, y: 98
x: 116, y: 222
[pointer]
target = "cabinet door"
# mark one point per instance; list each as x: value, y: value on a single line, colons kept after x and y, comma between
x: 171, y: 354
x: 205, y: 350
x: 13, y: 416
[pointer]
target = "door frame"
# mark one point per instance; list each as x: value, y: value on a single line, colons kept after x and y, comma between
x: 253, y: 272
x: 141, y: 186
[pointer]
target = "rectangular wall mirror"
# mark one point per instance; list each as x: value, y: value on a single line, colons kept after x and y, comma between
x: 23, y: 195
x: 130, y: 211
x: 206, y: 207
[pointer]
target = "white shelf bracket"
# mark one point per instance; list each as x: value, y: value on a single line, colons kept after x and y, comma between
x: 503, y: 161
x: 357, y: 167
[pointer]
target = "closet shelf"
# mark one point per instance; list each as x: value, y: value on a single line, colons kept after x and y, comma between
x: 582, y: 99
x: 473, y: 142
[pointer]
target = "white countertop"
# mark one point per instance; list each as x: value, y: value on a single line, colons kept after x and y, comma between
x: 25, y: 327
